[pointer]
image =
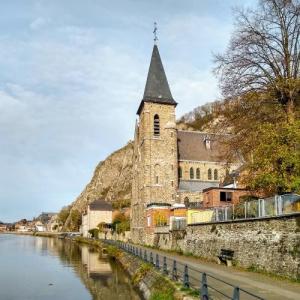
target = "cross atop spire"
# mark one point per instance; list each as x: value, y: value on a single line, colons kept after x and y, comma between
x: 155, y: 33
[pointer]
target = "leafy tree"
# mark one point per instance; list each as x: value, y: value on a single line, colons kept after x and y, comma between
x: 275, y: 166
x: 121, y: 223
x: 63, y: 214
x: 94, y: 232
x: 122, y: 203
x: 75, y: 220
x: 264, y: 54
x: 259, y: 77
x: 104, y: 228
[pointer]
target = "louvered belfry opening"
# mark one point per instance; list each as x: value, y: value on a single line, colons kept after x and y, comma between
x: 156, y: 125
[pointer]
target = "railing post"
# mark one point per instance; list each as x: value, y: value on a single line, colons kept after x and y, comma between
x: 186, y: 282
x: 141, y: 253
x: 279, y: 205
x: 151, y: 258
x: 165, y: 267
x: 203, y: 288
x: 174, y: 271
x: 236, y: 293
x: 145, y: 255
x: 157, y: 261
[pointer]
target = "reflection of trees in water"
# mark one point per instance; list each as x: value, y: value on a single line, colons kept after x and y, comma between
x: 104, y: 278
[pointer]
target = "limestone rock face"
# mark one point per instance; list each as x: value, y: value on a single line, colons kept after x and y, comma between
x: 111, y: 180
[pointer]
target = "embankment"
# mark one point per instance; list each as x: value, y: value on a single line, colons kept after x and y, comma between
x: 149, y: 281
x: 270, y: 245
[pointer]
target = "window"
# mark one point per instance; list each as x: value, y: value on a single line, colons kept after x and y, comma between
x: 191, y: 173
x: 156, y: 174
x: 148, y: 221
x: 198, y: 173
x: 172, y: 183
x: 216, y: 177
x: 186, y: 201
x: 180, y: 172
x: 226, y: 196
x: 209, y: 174
x: 156, y: 126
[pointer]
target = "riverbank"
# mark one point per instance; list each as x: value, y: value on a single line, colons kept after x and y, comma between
x: 36, y: 233
x: 149, y: 281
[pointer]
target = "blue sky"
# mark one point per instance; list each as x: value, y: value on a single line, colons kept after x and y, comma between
x: 72, y: 76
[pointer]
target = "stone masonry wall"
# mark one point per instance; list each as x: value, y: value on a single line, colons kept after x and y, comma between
x: 271, y: 245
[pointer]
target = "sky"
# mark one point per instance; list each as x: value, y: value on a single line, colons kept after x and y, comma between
x: 72, y: 74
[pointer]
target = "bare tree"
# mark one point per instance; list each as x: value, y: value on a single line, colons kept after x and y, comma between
x: 264, y: 53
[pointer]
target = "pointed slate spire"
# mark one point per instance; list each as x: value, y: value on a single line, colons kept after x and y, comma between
x: 157, y: 88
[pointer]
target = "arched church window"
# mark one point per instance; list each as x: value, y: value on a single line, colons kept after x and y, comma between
x: 191, y: 173
x: 209, y: 174
x: 216, y: 176
x: 179, y: 172
x: 197, y: 173
x: 156, y: 126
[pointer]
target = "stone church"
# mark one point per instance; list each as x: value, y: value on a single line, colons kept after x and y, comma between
x: 170, y: 166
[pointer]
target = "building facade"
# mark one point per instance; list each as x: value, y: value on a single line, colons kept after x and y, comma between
x: 170, y: 166
x: 97, y: 212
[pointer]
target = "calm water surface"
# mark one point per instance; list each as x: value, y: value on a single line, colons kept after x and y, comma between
x: 47, y: 268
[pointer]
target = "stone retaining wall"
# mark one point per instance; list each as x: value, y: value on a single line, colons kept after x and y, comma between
x: 269, y: 244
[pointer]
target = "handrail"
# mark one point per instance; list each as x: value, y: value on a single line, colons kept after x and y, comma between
x: 180, y: 271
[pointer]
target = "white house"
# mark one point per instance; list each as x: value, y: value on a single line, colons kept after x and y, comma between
x: 97, y: 212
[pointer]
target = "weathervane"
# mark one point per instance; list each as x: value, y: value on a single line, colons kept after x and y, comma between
x: 155, y: 33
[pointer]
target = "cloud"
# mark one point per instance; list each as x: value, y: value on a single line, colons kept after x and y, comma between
x: 38, y: 23
x: 73, y: 78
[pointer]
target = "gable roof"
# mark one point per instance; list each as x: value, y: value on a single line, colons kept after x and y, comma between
x: 101, y: 205
x: 191, y: 146
x: 157, y: 88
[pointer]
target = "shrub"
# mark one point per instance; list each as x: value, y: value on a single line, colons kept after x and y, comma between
x: 94, y: 232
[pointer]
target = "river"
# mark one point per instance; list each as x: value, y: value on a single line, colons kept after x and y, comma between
x: 34, y: 268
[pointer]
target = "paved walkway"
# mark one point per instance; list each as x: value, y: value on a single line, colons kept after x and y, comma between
x: 258, y: 284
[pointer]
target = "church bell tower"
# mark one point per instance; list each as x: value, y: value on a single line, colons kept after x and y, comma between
x: 155, y: 149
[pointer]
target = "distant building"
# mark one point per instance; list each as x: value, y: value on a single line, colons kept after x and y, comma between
x: 45, y: 217
x: 97, y: 212
x: 53, y: 223
x: 223, y: 196
x: 3, y: 227
x: 39, y: 226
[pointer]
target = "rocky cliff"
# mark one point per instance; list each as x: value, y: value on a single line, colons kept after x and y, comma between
x: 111, y: 181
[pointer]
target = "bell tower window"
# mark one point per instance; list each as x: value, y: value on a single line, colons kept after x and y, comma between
x: 156, y: 126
